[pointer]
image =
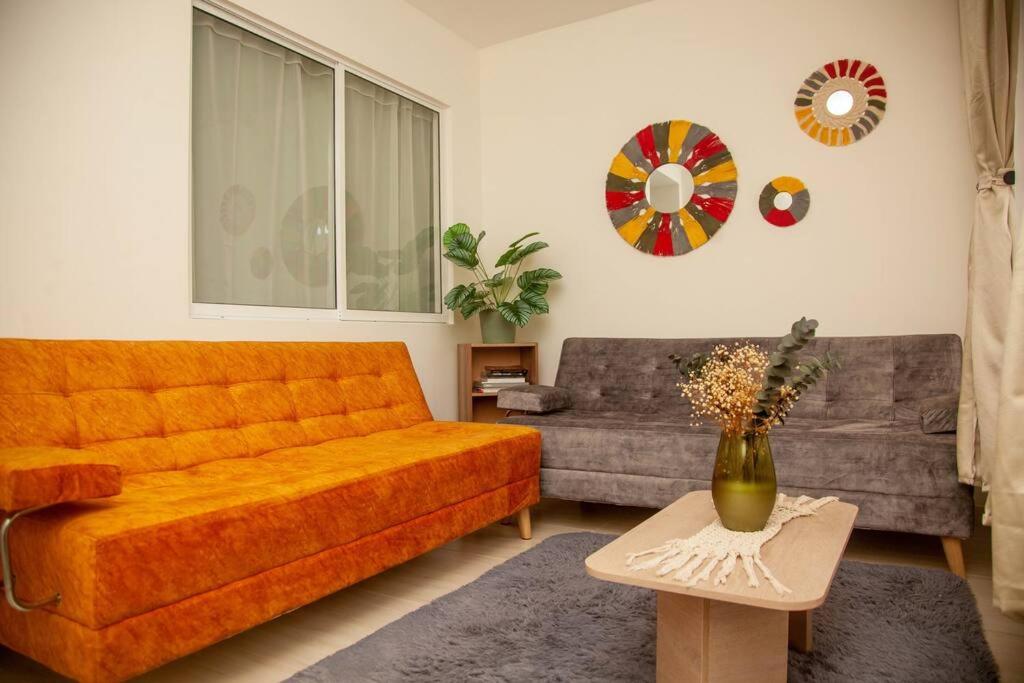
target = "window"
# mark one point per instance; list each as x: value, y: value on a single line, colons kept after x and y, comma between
x: 262, y: 171
x: 279, y: 134
x: 391, y: 196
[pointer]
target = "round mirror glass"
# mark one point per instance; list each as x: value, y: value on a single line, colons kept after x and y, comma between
x: 840, y: 102
x: 669, y: 188
x: 783, y: 201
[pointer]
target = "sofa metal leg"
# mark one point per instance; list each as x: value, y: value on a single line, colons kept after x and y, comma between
x: 523, y: 520
x: 8, y: 573
x: 954, y: 549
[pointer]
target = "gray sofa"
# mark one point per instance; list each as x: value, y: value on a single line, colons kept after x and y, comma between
x: 878, y: 433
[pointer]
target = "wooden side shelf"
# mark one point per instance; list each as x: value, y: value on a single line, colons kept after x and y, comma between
x: 472, y: 359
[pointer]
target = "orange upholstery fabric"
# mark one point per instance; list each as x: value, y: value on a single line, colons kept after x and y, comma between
x: 44, y: 476
x: 153, y: 406
x: 236, y: 517
x: 140, y: 643
x: 241, y: 462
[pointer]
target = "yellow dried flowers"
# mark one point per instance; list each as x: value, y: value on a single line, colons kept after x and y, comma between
x: 724, y: 389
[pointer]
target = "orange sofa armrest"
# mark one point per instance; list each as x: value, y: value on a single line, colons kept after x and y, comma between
x: 38, y: 476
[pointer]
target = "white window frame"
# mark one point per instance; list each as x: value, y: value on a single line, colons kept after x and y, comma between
x: 250, y: 22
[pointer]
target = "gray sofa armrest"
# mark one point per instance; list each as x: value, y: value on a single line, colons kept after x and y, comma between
x: 938, y: 414
x: 534, y: 398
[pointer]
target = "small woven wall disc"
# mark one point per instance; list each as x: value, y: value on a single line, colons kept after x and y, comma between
x: 783, y: 218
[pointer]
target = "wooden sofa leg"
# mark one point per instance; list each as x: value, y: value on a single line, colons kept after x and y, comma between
x: 954, y: 549
x: 523, y: 520
x: 801, y: 631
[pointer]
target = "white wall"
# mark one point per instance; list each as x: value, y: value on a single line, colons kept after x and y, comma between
x: 884, y: 247
x: 94, y: 208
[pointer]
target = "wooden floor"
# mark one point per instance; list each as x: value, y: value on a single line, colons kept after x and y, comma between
x: 276, y: 650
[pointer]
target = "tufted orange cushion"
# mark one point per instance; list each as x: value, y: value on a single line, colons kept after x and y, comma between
x: 171, y: 535
x: 166, y: 405
x: 44, y: 476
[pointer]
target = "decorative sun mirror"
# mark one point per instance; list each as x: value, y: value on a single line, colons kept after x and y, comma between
x: 841, y: 102
x: 670, y: 188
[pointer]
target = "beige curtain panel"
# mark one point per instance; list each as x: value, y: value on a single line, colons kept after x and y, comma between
x: 990, y: 431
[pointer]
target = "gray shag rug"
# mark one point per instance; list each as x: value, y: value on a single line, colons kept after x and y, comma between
x: 540, y: 617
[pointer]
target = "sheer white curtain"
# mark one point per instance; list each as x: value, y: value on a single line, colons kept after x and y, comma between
x: 262, y: 171
x: 391, y: 192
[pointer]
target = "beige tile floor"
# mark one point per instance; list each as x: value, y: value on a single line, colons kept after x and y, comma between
x: 276, y: 650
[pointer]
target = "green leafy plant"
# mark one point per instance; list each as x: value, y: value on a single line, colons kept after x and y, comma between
x: 516, y: 294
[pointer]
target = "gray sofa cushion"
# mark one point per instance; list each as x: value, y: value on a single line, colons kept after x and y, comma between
x: 535, y: 398
x: 946, y: 516
x: 851, y: 455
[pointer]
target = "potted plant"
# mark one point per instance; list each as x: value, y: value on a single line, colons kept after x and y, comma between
x: 747, y: 392
x: 501, y: 309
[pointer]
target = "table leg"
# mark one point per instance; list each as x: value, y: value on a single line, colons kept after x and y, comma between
x: 710, y: 641
x: 801, y: 631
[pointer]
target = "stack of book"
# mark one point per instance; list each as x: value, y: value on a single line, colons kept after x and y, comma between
x: 498, y: 377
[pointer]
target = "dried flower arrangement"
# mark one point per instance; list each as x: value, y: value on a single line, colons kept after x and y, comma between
x: 746, y: 390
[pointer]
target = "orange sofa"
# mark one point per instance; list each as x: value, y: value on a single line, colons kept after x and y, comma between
x: 206, y: 487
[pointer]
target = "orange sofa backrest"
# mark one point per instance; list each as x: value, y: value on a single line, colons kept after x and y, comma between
x: 166, y: 405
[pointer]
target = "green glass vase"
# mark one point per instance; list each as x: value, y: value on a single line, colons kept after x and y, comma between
x: 743, y: 485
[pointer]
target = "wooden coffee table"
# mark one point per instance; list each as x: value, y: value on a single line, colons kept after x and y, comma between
x: 733, y: 632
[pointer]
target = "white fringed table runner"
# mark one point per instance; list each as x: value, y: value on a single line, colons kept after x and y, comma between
x: 714, y: 545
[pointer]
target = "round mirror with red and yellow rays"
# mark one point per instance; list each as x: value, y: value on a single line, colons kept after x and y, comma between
x: 671, y: 188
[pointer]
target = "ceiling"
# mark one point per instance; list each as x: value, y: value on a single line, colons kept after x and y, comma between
x: 486, y: 22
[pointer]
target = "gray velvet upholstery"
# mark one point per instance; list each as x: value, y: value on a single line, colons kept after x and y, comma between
x: 534, y: 398
x: 860, y: 435
x: 938, y: 415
